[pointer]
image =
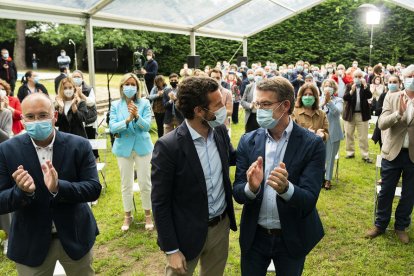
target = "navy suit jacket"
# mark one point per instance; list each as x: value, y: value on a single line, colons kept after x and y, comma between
x: 305, y: 163
x: 30, y: 232
x: 179, y: 191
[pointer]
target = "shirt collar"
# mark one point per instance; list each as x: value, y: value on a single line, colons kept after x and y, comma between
x: 286, y: 132
x: 194, y: 134
x: 50, y: 146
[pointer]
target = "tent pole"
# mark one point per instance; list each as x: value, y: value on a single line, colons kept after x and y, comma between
x: 193, y: 44
x: 91, y: 58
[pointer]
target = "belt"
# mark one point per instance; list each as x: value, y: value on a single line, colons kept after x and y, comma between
x: 214, y: 221
x: 404, y: 149
x: 274, y: 232
x: 54, y: 235
x: 357, y: 111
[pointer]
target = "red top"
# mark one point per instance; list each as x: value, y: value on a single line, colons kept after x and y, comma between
x: 17, y: 126
x: 346, y: 79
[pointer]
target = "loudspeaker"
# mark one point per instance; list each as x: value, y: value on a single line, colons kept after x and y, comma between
x: 193, y: 61
x: 106, y: 59
x: 240, y: 59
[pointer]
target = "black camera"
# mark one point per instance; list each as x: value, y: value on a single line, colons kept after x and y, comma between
x: 138, y: 61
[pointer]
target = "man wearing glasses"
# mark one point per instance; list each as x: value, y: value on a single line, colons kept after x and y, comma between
x: 46, y: 178
x: 279, y: 171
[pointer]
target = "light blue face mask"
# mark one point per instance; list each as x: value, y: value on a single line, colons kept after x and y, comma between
x: 393, y: 87
x: 264, y: 118
x: 78, y: 81
x: 409, y: 84
x: 36, y: 79
x: 129, y: 91
x: 5, y: 56
x: 221, y: 116
x: 39, y: 130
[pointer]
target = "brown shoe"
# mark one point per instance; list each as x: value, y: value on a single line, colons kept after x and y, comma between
x: 374, y: 232
x: 402, y: 236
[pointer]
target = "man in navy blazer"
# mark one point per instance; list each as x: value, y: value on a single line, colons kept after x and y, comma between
x: 279, y: 171
x: 46, y: 178
x: 191, y: 189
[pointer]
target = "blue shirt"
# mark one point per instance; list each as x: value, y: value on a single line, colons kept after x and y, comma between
x: 274, y: 154
x: 213, y: 172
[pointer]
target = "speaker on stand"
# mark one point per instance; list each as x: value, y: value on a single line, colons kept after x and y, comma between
x: 193, y: 62
x: 107, y: 60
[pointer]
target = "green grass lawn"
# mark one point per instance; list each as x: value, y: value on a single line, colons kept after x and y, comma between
x: 346, y: 212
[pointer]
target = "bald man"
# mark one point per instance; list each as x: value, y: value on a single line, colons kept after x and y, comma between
x: 46, y: 178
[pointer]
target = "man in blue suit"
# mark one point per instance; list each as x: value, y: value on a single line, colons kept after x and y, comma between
x: 279, y: 171
x: 46, y: 178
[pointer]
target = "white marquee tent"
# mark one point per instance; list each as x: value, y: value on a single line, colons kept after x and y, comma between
x: 226, y: 19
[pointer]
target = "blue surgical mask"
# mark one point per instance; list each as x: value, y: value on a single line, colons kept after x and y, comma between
x: 5, y: 56
x: 409, y: 84
x: 393, y: 87
x: 78, y: 81
x: 250, y: 77
x: 299, y: 68
x: 357, y: 81
x: 305, y: 71
x: 39, y: 130
x: 264, y: 118
x: 129, y: 91
x: 290, y: 71
x: 258, y: 78
x: 36, y: 79
x: 221, y: 116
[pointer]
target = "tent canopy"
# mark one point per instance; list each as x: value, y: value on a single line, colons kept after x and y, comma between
x: 227, y: 19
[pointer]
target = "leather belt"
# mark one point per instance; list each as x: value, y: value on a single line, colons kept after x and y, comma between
x: 214, y: 221
x: 273, y: 232
x: 54, y: 235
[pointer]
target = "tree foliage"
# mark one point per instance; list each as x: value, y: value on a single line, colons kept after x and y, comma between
x: 331, y: 31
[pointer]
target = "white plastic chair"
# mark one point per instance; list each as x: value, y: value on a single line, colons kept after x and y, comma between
x: 100, y: 144
x: 59, y: 270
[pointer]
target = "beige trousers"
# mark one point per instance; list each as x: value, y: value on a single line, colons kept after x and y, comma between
x: 57, y: 253
x: 143, y: 167
x: 213, y: 256
x: 362, y: 128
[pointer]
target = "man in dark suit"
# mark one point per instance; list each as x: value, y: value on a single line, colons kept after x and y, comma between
x: 279, y: 171
x: 8, y: 71
x: 63, y: 74
x: 191, y: 189
x: 46, y: 178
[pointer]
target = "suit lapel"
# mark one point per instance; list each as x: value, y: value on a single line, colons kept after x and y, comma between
x: 187, y: 144
x: 292, y: 146
x: 59, y: 148
x: 32, y: 165
x: 223, y: 152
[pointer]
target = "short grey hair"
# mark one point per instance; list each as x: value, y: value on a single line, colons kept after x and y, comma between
x: 409, y: 71
x: 358, y: 72
x: 281, y: 87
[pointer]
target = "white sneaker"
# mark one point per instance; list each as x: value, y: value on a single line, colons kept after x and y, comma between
x: 5, y: 245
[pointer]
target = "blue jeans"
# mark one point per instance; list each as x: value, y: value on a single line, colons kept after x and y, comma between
x: 267, y: 247
x: 390, y: 174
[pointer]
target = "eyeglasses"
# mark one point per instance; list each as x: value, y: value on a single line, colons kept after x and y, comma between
x: 264, y: 105
x: 39, y: 117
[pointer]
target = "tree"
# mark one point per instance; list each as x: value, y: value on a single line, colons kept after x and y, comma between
x: 20, y: 45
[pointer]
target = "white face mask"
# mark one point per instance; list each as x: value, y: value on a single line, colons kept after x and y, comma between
x: 3, y: 93
x: 68, y: 93
x: 149, y: 57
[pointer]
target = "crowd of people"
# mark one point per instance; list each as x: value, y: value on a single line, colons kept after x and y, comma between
x: 295, y: 118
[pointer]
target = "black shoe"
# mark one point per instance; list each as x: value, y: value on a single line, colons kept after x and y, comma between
x: 350, y: 156
x: 367, y: 160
